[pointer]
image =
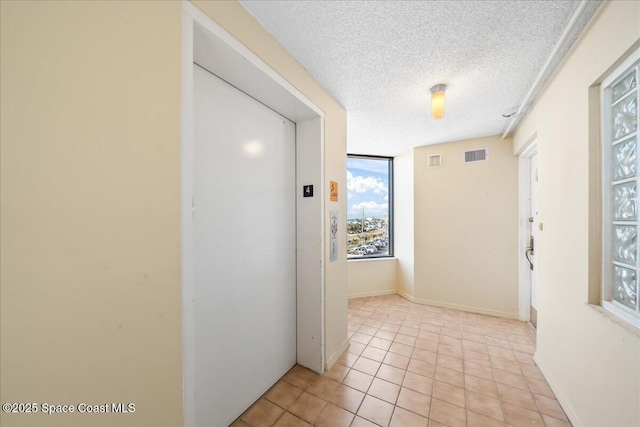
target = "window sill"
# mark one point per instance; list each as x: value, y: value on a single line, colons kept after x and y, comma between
x: 622, y: 324
x: 382, y: 258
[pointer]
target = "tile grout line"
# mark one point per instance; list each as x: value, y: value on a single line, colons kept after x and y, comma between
x: 405, y: 324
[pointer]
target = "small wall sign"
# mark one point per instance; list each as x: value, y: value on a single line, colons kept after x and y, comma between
x: 333, y: 191
x: 307, y: 191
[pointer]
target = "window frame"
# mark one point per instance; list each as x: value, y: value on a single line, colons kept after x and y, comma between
x: 390, y: 221
x: 606, y: 105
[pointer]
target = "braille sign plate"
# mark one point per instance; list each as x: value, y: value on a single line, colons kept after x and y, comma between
x: 333, y: 195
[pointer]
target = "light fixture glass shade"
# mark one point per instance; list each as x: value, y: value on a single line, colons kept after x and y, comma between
x: 437, y: 101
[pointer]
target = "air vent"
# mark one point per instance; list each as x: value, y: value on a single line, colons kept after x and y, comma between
x: 435, y: 161
x: 473, y: 156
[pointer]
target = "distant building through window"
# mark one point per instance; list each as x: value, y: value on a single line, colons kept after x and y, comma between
x: 369, y: 202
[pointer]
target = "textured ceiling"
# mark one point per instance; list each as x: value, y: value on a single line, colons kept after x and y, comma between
x: 379, y: 59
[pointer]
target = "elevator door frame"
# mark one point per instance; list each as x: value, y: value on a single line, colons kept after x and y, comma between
x: 214, y: 48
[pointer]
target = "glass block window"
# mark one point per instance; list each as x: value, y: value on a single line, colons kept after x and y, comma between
x: 620, y: 138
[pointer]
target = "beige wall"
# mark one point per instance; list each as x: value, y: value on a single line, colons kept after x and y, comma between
x: 466, y: 228
x: 403, y: 219
x: 592, y: 364
x: 90, y: 152
x: 455, y: 231
x: 90, y: 196
x: 371, y: 277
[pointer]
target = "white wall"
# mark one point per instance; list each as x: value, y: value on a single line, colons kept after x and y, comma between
x: 592, y: 364
x: 371, y: 277
x: 403, y: 221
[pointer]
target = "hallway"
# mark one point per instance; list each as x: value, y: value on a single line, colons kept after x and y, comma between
x: 415, y: 365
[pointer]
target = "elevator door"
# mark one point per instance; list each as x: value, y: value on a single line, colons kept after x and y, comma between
x: 245, y: 249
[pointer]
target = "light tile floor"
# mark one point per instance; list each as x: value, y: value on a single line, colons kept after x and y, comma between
x: 413, y: 365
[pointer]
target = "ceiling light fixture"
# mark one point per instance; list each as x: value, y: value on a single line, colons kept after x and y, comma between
x: 437, y: 101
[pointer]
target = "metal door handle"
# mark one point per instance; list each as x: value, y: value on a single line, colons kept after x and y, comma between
x: 528, y: 252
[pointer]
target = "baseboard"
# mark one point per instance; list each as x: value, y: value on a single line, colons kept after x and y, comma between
x: 460, y: 307
x: 562, y: 399
x: 406, y: 296
x: 335, y: 356
x: 469, y: 309
x: 373, y: 294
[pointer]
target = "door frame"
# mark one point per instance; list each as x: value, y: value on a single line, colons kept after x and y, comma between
x: 524, y: 212
x: 222, y: 54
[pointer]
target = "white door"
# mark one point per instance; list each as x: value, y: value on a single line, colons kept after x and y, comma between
x: 244, y: 244
x: 532, y: 244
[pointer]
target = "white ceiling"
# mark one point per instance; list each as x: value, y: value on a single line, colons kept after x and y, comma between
x: 379, y: 59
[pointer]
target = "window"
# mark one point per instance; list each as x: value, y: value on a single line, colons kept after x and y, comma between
x: 620, y: 185
x: 369, y: 201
